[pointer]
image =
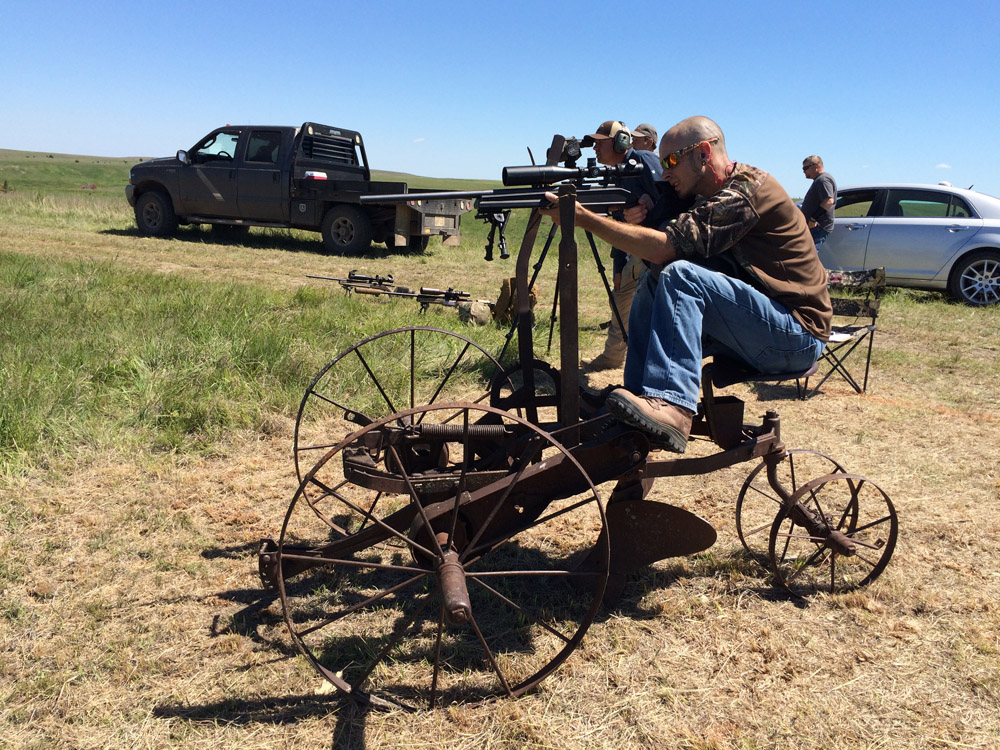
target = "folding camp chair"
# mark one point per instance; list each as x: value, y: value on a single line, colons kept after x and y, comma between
x: 846, y: 339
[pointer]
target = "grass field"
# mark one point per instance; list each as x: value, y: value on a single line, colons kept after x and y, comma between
x: 148, y: 391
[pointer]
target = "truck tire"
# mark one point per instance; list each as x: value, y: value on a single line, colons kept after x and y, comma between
x: 154, y: 214
x: 346, y: 229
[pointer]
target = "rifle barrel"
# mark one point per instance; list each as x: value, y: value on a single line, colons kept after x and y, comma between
x: 407, y: 197
x: 524, y: 197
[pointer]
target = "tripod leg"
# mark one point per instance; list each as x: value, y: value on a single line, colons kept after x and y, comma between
x: 607, y: 286
x: 555, y: 306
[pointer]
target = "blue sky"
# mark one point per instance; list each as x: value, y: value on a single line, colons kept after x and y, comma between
x: 902, y: 91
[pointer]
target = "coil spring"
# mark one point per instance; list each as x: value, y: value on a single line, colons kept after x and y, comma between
x: 457, y: 431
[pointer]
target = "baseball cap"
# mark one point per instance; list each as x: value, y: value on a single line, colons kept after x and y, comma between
x: 607, y: 129
x: 645, y: 129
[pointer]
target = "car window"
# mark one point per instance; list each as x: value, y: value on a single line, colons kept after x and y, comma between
x: 263, y: 146
x: 959, y: 208
x: 917, y: 204
x: 854, y: 203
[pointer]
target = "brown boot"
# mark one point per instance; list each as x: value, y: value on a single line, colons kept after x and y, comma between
x: 603, y: 362
x: 667, y: 423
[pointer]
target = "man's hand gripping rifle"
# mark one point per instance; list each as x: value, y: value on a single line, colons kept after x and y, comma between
x: 596, y: 187
x: 376, y: 285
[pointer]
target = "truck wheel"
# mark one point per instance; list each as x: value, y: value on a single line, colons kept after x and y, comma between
x: 346, y: 229
x: 154, y: 214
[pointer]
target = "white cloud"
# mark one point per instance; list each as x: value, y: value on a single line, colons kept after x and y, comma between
x: 419, y: 140
x: 942, y: 165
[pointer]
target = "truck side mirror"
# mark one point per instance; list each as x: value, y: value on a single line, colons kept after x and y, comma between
x: 183, y: 158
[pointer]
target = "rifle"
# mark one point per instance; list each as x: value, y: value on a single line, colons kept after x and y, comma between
x: 376, y: 285
x: 596, y: 188
x: 356, y: 281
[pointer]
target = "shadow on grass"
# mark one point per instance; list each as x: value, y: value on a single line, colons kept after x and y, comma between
x: 246, y: 551
x: 265, y: 240
x: 738, y: 562
x: 256, y: 614
x: 349, y: 733
x: 350, y: 730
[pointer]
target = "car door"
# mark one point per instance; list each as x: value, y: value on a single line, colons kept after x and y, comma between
x: 853, y: 215
x: 917, y: 234
x: 207, y: 184
x: 263, y: 195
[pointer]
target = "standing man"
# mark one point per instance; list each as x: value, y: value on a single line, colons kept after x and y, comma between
x: 740, y: 277
x: 644, y: 137
x: 612, y: 143
x: 818, y: 204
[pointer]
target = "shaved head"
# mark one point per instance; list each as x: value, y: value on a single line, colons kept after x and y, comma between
x: 694, y: 130
x: 693, y: 153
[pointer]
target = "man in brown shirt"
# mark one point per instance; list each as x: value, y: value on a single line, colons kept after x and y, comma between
x: 736, y: 275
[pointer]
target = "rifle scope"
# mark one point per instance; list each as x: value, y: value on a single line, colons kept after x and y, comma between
x: 532, y: 175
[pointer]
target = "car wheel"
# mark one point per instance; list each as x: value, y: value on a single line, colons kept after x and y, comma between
x: 154, y: 214
x: 346, y: 229
x: 975, y: 279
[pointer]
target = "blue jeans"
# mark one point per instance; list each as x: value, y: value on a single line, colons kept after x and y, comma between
x: 819, y: 235
x: 689, y: 312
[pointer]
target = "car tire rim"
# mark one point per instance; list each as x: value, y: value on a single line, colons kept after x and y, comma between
x: 981, y: 282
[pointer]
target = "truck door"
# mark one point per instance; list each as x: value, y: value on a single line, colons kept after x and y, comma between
x: 207, y: 186
x: 263, y: 194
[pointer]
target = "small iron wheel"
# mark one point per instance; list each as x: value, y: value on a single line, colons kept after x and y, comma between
x: 433, y: 557
x: 843, y: 540
x: 758, y: 503
x: 386, y: 373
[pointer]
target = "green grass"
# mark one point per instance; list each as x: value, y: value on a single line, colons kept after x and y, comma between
x: 64, y: 174
x: 96, y: 355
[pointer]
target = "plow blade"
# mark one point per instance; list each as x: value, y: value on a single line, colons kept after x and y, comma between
x: 643, y: 532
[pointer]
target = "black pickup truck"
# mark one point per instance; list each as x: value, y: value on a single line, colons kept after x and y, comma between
x: 311, y: 177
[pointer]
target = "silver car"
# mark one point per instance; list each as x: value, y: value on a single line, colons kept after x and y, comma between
x: 925, y: 236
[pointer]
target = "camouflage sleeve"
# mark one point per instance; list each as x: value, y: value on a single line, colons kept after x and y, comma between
x: 714, y: 225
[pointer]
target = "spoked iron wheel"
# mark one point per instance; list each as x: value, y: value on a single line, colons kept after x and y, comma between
x: 387, y: 373
x: 433, y: 557
x: 845, y: 543
x: 758, y: 503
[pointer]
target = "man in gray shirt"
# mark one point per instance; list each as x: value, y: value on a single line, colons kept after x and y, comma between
x: 820, y: 199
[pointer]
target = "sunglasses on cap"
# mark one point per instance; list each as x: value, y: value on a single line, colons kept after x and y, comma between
x: 672, y: 159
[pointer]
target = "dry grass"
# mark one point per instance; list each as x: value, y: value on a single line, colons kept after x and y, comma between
x: 132, y: 616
